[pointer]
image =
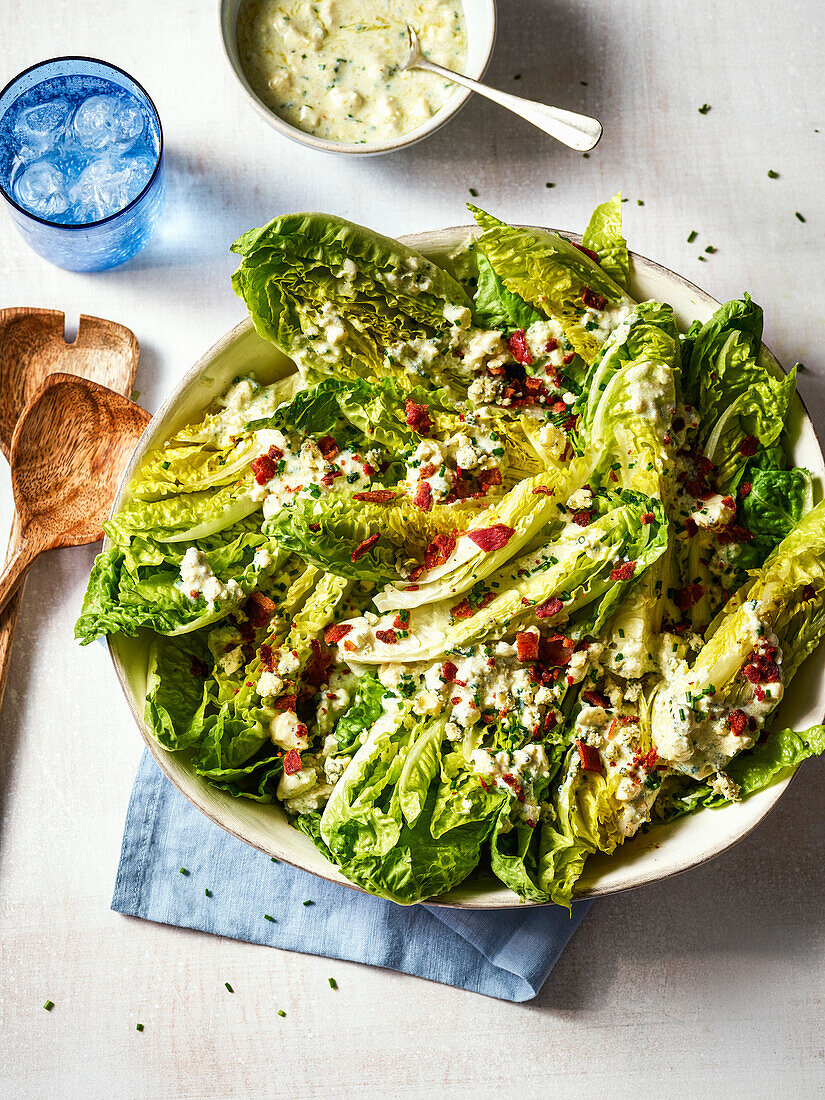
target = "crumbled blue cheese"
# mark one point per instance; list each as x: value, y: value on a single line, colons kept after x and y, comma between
x: 197, y: 579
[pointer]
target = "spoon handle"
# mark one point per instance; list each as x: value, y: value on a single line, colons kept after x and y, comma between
x: 8, y: 616
x: 16, y: 568
x: 576, y: 131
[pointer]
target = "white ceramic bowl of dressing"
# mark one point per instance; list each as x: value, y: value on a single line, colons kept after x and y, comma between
x: 663, y: 851
x: 480, y: 27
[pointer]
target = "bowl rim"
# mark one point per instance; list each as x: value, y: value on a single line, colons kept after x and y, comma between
x: 162, y: 756
x: 449, y: 108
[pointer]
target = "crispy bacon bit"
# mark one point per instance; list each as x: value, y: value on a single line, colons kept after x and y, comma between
x: 388, y: 637
x: 582, y: 518
x: 376, y: 496
x: 418, y: 418
x: 807, y: 593
x: 265, y: 467
x: 689, y: 595
x: 744, y: 489
x: 737, y: 722
x: 761, y: 667
x: 267, y: 657
x: 515, y: 786
x: 647, y: 517
x: 415, y: 574
x: 596, y: 699
x: 549, y: 608
x: 285, y: 702
x: 437, y: 553
x: 333, y: 634
x: 519, y: 348
x: 328, y: 479
x: 587, y: 251
x: 729, y: 502
x: 589, y: 757
x: 488, y: 478
x: 258, y: 609
x: 593, y: 300
x: 318, y: 665
x: 364, y: 547
x: 527, y: 646
x: 628, y: 719
x: 328, y: 447
x: 486, y: 786
x: 555, y: 652
x: 647, y: 762
x: 748, y: 446
x: 462, y: 610
x: 550, y: 721
x: 492, y: 538
x: 448, y: 672
x: 199, y: 668
x: 544, y: 489
x: 423, y: 498
x: 690, y: 527
x: 733, y: 533
x: 349, y: 646
x: 568, y: 359
x: 401, y: 620
x: 624, y: 572
x: 551, y: 344
x: 314, y: 526
x: 292, y: 762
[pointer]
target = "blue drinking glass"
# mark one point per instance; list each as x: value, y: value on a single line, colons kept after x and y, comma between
x: 81, y: 162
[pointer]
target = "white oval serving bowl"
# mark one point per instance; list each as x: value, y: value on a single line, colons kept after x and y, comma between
x: 480, y: 21
x: 665, y: 850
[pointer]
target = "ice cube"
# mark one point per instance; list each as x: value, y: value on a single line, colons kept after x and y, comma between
x: 37, y: 129
x: 41, y: 188
x: 107, y: 185
x: 108, y: 122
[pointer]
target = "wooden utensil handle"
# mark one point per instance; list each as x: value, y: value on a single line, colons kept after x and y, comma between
x: 16, y: 569
x: 8, y: 616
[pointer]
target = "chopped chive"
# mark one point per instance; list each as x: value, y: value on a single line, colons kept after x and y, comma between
x: 309, y: 901
x: 49, y: 1005
x: 281, y: 1012
x: 333, y: 984
x: 586, y: 156
x: 207, y: 891
x: 272, y: 859
x: 473, y: 192
x: 583, y: 83
x: 183, y: 871
x: 138, y: 1027
x: 549, y: 185
x: 517, y: 76
x: 692, y: 236
x: 703, y: 110
x: 639, y: 202
x: 798, y: 215
x: 772, y: 175
x: 267, y: 917
x: 710, y: 249
x: 625, y: 200
x: 702, y: 258
x: 229, y: 988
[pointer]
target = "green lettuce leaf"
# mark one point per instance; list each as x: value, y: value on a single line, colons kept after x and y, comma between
x: 334, y: 295
x: 549, y: 273
x: 177, y: 690
x: 604, y: 237
x: 497, y: 307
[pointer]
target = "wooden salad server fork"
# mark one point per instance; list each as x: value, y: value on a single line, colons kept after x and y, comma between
x: 33, y: 346
x: 68, y: 452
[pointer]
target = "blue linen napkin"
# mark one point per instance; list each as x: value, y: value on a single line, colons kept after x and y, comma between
x: 506, y: 954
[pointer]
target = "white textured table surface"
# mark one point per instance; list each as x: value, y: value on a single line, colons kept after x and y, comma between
x: 709, y: 983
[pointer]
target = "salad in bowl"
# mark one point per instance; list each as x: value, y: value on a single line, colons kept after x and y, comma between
x: 508, y: 569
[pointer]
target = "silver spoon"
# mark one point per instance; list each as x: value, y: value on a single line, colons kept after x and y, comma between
x: 577, y: 131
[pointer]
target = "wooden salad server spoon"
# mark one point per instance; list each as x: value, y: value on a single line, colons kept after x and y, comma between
x: 68, y: 452
x: 33, y: 346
